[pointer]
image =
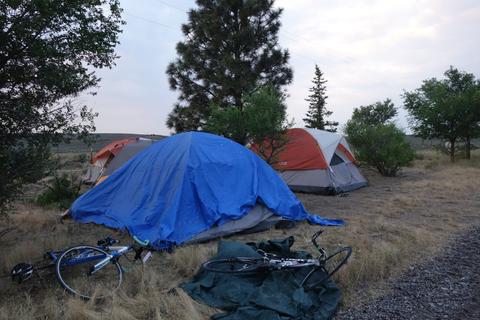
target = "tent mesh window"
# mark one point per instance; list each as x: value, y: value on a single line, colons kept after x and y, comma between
x: 336, y: 160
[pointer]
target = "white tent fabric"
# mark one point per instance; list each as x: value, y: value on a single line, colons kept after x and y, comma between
x: 328, y: 142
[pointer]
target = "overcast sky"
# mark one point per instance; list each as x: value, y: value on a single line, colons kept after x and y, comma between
x: 368, y: 50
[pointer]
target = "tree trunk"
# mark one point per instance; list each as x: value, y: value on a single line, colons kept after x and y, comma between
x: 452, y: 150
x: 467, y: 148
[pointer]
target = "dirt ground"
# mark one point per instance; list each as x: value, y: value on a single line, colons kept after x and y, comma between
x: 391, y: 224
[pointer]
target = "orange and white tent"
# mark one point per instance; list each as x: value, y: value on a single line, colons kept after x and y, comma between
x: 318, y: 161
x: 103, y: 160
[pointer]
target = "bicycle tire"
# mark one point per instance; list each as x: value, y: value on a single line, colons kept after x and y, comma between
x: 99, y: 285
x: 235, y: 265
x: 331, y: 265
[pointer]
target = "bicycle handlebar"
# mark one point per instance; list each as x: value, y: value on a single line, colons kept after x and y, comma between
x: 143, y: 243
x: 314, y: 238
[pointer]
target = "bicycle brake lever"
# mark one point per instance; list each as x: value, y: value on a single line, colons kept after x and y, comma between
x: 315, y: 236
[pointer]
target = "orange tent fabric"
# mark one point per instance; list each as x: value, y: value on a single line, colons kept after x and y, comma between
x: 347, y: 153
x: 112, y: 148
x: 302, y: 152
x: 300, y: 142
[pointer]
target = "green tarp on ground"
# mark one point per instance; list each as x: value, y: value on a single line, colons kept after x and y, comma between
x: 267, y: 295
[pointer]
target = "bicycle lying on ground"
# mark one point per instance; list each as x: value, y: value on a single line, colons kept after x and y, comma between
x: 86, y: 271
x: 326, y: 264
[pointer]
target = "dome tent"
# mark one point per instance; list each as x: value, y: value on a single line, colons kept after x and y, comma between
x: 188, y: 184
x: 318, y: 161
x: 112, y: 156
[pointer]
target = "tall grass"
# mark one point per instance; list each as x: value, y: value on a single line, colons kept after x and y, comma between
x: 391, y: 225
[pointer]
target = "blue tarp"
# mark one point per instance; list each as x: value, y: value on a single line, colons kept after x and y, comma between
x: 184, y: 185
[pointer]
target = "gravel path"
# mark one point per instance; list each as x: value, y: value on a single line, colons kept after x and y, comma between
x: 444, y: 287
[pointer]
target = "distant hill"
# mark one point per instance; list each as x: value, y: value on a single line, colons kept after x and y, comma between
x: 101, y: 140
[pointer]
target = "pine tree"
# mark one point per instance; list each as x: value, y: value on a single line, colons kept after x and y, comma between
x: 317, y: 111
x: 230, y: 50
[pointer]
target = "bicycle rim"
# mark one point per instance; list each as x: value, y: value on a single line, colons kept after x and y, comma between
x: 332, y: 264
x: 235, y: 265
x: 73, y: 273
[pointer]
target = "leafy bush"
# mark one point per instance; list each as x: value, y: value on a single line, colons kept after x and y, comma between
x: 262, y: 119
x: 20, y: 164
x: 82, y: 158
x: 377, y: 141
x: 61, y: 192
x: 383, y: 147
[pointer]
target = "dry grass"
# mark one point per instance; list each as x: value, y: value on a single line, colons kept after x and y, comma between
x: 392, y: 224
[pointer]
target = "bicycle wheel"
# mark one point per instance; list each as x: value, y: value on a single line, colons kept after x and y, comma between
x: 332, y: 264
x: 235, y: 265
x: 73, y: 270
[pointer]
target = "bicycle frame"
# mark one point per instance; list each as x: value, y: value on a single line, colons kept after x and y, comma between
x: 116, y: 253
x: 285, y: 263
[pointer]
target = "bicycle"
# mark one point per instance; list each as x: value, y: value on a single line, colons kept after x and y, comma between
x: 326, y: 265
x: 86, y: 271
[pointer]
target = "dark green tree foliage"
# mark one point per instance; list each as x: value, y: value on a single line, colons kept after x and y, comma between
x: 383, y: 147
x: 261, y: 121
x: 377, y: 142
x: 380, y: 112
x: 317, y: 111
x: 471, y: 123
x: 230, y: 49
x: 448, y: 109
x: 48, y: 52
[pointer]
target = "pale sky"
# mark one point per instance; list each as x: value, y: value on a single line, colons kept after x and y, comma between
x: 368, y: 50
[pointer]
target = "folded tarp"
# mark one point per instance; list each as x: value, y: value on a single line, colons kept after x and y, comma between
x: 184, y: 185
x: 265, y: 295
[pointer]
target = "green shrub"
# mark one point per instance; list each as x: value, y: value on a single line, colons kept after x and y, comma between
x: 61, y: 192
x: 382, y: 146
x: 82, y: 158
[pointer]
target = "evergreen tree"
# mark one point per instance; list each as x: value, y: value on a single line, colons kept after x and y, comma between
x: 230, y: 50
x: 317, y: 111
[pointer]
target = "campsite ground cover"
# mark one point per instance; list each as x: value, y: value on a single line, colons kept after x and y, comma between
x: 392, y: 224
